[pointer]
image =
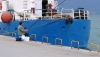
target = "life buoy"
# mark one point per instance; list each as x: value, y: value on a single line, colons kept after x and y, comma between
x: 6, y: 17
x: 50, y: 11
x: 0, y: 5
x: 33, y: 10
x: 49, y: 6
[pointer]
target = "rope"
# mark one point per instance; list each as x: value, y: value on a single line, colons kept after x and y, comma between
x: 46, y: 23
x: 34, y: 24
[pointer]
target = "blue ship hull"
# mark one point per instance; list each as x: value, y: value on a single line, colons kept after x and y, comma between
x: 79, y: 30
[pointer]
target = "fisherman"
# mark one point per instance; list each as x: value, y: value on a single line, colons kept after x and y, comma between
x: 21, y: 30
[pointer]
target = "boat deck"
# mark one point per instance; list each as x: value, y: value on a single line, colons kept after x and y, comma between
x: 10, y: 48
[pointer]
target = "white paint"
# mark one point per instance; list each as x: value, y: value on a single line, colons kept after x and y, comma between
x: 25, y: 4
x: 4, y: 6
x: 32, y: 3
x: 10, y: 4
x: 38, y: 6
x: 0, y: 17
x: 16, y: 3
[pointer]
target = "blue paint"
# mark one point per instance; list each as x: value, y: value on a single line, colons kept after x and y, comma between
x: 79, y: 30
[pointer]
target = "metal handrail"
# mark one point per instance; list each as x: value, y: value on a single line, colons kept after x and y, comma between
x: 75, y: 41
x: 6, y: 33
x: 45, y: 38
x: 60, y: 41
x: 67, y: 9
x: 13, y: 33
x: 24, y: 14
x: 34, y: 36
x: 60, y: 14
x: 91, y: 45
x: 85, y: 12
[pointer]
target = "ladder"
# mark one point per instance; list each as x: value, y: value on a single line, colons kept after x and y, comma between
x: 25, y: 4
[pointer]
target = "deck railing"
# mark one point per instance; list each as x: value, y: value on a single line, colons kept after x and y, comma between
x: 27, y: 15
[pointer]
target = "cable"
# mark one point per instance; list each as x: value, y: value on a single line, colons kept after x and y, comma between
x: 46, y: 23
x: 34, y: 24
x: 60, y: 3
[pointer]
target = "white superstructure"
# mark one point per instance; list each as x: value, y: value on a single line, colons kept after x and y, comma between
x: 26, y: 5
x: 23, y: 9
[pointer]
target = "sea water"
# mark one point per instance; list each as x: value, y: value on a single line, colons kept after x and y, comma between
x: 95, y: 30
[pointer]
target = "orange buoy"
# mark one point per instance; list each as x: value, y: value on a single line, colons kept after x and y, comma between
x: 51, y: 11
x: 0, y: 5
x: 6, y: 17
